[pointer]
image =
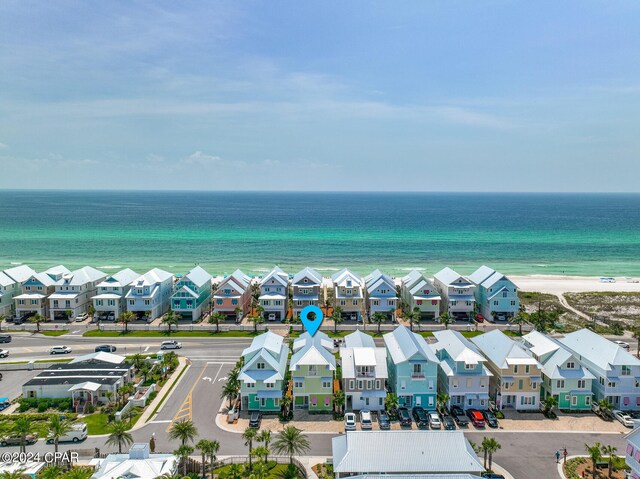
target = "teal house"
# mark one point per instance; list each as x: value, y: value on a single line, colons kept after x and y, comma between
x: 496, y: 295
x: 413, y: 368
x: 312, y: 370
x: 262, y: 376
x: 192, y: 294
x: 562, y: 374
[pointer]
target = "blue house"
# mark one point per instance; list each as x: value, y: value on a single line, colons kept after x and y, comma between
x: 496, y: 295
x: 192, y: 294
x: 412, y: 367
x: 380, y: 291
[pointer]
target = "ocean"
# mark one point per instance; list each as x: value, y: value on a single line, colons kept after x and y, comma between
x: 576, y: 234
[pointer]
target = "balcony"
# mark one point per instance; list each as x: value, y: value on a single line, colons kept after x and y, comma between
x: 417, y: 376
x: 365, y: 374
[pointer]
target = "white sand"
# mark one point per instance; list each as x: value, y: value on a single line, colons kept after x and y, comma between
x: 571, y: 284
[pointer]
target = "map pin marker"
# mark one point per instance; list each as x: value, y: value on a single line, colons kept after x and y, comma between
x: 311, y: 324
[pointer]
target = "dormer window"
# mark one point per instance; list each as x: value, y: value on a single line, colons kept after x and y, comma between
x: 260, y: 366
x: 305, y: 280
x: 571, y: 365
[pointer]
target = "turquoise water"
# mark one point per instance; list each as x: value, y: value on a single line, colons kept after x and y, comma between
x: 516, y: 233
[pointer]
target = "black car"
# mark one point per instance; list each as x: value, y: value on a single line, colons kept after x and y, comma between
x: 459, y: 416
x: 254, y: 420
x: 5, y: 338
x: 490, y: 418
x: 105, y: 348
x: 448, y: 423
x: 383, y: 421
x: 404, y: 417
x: 420, y: 417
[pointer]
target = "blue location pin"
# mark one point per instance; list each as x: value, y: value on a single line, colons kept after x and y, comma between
x: 312, y: 325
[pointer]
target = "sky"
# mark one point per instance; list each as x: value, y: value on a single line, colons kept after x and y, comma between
x: 320, y: 95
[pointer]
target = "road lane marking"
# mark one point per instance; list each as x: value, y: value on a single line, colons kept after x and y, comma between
x: 146, y: 349
x: 160, y: 422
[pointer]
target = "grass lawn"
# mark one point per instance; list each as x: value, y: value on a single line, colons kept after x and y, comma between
x: 97, y: 423
x: 174, y: 334
x: 274, y: 473
x: 55, y: 332
x: 66, y: 360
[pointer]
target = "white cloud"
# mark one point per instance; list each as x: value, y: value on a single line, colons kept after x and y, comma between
x: 210, y: 161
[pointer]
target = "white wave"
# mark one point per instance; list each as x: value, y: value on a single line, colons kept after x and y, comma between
x: 410, y: 269
x: 108, y: 266
x: 542, y: 265
x: 327, y: 269
x: 15, y: 263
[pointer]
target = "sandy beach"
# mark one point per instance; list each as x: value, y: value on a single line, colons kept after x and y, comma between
x: 553, y: 284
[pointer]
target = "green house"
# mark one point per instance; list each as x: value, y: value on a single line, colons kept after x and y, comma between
x: 312, y: 370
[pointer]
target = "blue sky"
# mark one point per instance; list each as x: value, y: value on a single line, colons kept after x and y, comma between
x: 326, y: 95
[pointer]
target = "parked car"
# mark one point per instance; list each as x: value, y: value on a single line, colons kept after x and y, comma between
x: 77, y: 433
x: 254, y: 420
x: 491, y: 475
x: 383, y: 421
x: 81, y: 317
x: 365, y: 420
x: 105, y: 348
x: 15, y: 440
x: 479, y: 318
x: 404, y: 417
x: 4, y: 353
x: 459, y: 416
x: 420, y: 417
x: 434, y: 420
x: 448, y: 422
x: 170, y: 345
x: 623, y: 345
x: 60, y: 350
x: 350, y: 421
x: 476, y: 417
x: 5, y: 338
x: 490, y: 418
x: 4, y: 403
x: 623, y: 417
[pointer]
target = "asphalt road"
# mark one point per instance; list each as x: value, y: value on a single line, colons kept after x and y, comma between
x: 197, y: 396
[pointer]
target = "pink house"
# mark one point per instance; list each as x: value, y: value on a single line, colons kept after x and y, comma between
x: 233, y: 292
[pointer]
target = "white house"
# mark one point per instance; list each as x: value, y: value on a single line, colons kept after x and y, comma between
x: 496, y: 295
x: 11, y: 285
x: 307, y: 287
x: 462, y: 374
x: 73, y: 293
x: 347, y: 294
x: 458, y: 292
x: 274, y: 295
x: 419, y: 292
x: 139, y: 463
x: 151, y: 293
x: 110, y: 301
x: 380, y: 290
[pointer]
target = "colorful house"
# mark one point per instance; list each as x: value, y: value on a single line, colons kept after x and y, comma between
x: 462, y: 373
x: 412, y: 367
x: 419, y: 292
x: 73, y: 293
x: 312, y: 369
x: 347, y: 294
x: 458, y: 293
x: 11, y: 285
x: 632, y: 453
x: 274, y: 295
x: 380, y: 290
x: 150, y: 295
x: 110, y: 301
x: 262, y: 376
x: 563, y: 377
x: 516, y: 373
x: 617, y: 373
x: 307, y: 288
x: 192, y: 294
x: 233, y: 296
x: 496, y: 295
x: 364, y: 373
x: 35, y: 293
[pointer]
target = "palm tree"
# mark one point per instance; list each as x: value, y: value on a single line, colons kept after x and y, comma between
x: 442, y: 399
x: 484, y: 447
x: 22, y: 427
x: 414, y: 317
x: 37, y: 319
x: 183, y: 453
x: 144, y: 370
x: 521, y: 318
x: 50, y: 472
x: 256, y: 319
x: 606, y: 407
x: 391, y: 403
x: 249, y: 435
x: 78, y: 473
x: 610, y: 451
x: 216, y: 319
x: 636, y: 336
x: 261, y: 452
x: 379, y: 317
x: 445, y: 319
x: 184, y: 431
x: 260, y: 471
x: 119, y: 436
x: 291, y: 441
x: 548, y: 404
x: 338, y: 400
x: 208, y: 449
x: 137, y: 360
x: 170, y: 319
x: 336, y: 317
x: 595, y: 453
x: 265, y: 438
x: 492, y: 446
x: 17, y: 474
x: 130, y: 414
x: 57, y: 428
x: 291, y: 472
x: 230, y: 390
x: 125, y: 390
x: 125, y: 319
x: 235, y: 471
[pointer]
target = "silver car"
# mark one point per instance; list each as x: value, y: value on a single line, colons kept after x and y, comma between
x: 349, y: 421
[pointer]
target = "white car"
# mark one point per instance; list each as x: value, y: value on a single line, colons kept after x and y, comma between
x: 349, y: 421
x: 4, y: 353
x: 623, y: 345
x: 170, y: 345
x: 60, y: 350
x: 434, y: 420
x: 623, y: 417
x: 81, y: 317
x: 365, y: 420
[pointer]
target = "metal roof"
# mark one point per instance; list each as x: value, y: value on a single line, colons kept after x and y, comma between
x: 20, y: 273
x: 277, y: 274
x: 481, y: 274
x: 422, y: 452
x: 310, y: 273
x: 448, y: 276
x: 457, y: 347
x: 312, y: 350
x: 502, y: 350
x: 598, y: 350
x: 364, y: 356
x: 82, y: 276
x: 197, y: 276
x: 358, y: 339
x: 404, y: 345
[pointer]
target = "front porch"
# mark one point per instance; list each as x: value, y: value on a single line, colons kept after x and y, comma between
x: 84, y: 394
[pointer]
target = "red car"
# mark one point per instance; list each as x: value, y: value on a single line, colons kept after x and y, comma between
x: 476, y: 417
x: 479, y: 318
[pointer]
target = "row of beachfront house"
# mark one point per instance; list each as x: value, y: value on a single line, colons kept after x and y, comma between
x: 581, y: 368
x: 58, y: 292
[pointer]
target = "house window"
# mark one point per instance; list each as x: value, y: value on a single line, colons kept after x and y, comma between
x: 276, y: 402
x: 454, y: 383
x: 574, y: 400
x: 297, y: 384
x: 495, y: 303
x: 534, y: 385
x: 352, y: 383
x: 326, y: 384
x: 582, y: 384
x: 55, y: 303
x: 313, y: 370
x: 369, y: 384
x: 343, y: 302
x: 403, y: 384
x: 469, y: 366
x: 366, y: 401
x: 515, y: 369
x: 505, y: 385
x: 34, y: 301
x: 355, y: 302
x: 571, y: 365
x: 250, y: 385
x: 520, y: 383
x: 483, y: 384
x: 567, y: 397
x: 327, y: 401
x: 377, y: 384
x: 147, y: 302
x: 269, y: 385
x: 453, y: 303
x: 360, y: 384
x: 417, y: 368
x: 431, y: 384
x: 560, y: 383
x: 218, y: 301
x: 626, y: 371
x: 513, y: 303
x: 263, y: 402
x: 132, y: 302
x: 234, y: 302
x: 611, y: 384
x: 526, y: 369
x: 376, y: 302
x: 260, y: 366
